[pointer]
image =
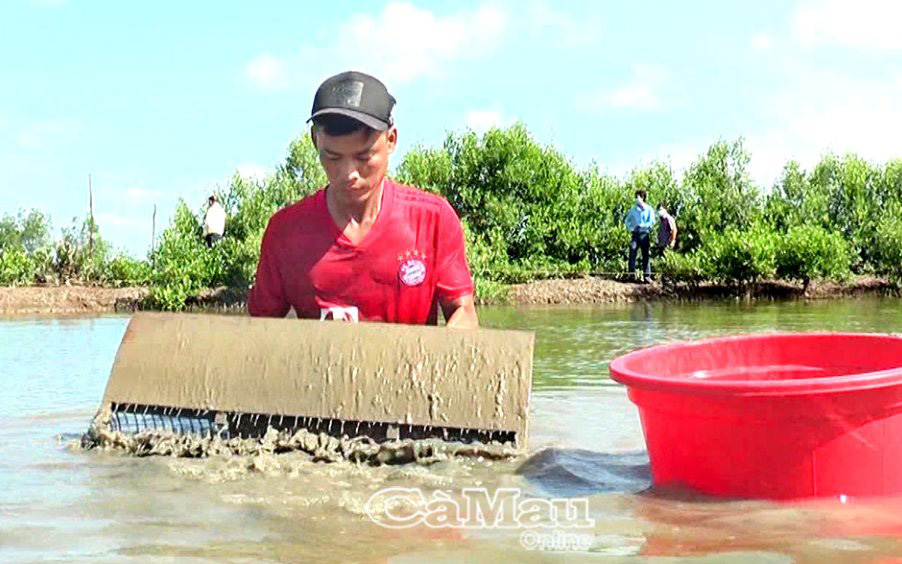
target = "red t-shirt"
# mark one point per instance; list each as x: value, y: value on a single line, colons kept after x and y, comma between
x: 412, y: 256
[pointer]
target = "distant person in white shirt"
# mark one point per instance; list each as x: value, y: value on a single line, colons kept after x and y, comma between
x: 214, y: 221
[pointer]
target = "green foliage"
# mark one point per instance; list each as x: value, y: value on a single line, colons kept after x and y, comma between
x: 662, y: 187
x: 25, y: 256
x: 124, y: 270
x: 888, y: 242
x: 739, y: 256
x: 794, y: 201
x: 28, y: 232
x: 717, y: 194
x: 502, y: 184
x: 301, y: 174
x: 853, y: 203
x: 182, y: 264
x: 43, y: 261
x: 250, y: 204
x: 484, y: 256
x: 16, y: 267
x: 810, y: 252
x: 25, y: 240
x: 528, y: 213
x: 81, y: 258
x: 679, y: 267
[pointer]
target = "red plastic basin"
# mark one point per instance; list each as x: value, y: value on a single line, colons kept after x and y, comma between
x: 776, y: 416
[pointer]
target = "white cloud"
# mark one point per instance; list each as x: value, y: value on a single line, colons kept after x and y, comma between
x: 829, y: 112
x: 815, y: 114
x: 418, y: 41
x: 681, y: 156
x: 118, y: 220
x: 770, y: 150
x: 266, y: 72
x: 253, y: 172
x: 560, y: 28
x: 762, y: 41
x: 634, y: 96
x: 870, y: 24
x: 481, y: 121
x: 639, y: 92
x: 137, y: 194
x: 678, y: 155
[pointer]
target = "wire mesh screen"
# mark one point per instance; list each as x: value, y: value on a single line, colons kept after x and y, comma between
x: 134, y: 418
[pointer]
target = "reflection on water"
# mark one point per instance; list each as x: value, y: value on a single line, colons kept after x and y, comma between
x: 574, y: 346
x: 65, y: 504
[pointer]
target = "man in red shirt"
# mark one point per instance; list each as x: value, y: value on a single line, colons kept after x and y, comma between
x: 363, y: 247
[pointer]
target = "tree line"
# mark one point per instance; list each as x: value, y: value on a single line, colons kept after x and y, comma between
x: 530, y: 213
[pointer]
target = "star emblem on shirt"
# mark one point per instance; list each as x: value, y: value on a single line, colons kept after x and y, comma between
x: 413, y: 253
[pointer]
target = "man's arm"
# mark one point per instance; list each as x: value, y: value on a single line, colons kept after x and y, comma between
x: 461, y: 313
x: 454, y: 286
x: 648, y: 222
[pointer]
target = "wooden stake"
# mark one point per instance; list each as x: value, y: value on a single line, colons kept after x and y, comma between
x: 90, y: 219
x: 153, y: 232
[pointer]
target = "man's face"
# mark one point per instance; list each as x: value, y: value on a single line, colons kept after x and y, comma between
x: 355, y: 163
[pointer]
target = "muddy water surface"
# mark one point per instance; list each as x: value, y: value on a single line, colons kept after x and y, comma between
x: 66, y: 504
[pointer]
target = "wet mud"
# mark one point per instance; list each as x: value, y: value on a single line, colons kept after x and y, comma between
x: 574, y: 472
x: 316, y: 447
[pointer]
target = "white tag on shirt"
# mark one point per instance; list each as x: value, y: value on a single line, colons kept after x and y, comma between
x: 338, y: 313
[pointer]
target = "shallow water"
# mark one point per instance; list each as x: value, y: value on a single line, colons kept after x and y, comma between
x: 65, y: 504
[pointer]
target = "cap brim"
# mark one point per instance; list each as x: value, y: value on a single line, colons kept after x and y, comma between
x: 365, y: 119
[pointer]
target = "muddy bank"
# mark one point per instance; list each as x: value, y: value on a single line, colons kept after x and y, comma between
x: 45, y: 300
x: 590, y: 290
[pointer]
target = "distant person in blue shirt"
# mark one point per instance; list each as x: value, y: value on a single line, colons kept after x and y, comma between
x: 639, y: 222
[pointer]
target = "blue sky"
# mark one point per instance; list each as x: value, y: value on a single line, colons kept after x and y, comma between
x: 161, y: 100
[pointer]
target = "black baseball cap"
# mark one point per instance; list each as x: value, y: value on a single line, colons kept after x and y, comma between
x: 355, y: 95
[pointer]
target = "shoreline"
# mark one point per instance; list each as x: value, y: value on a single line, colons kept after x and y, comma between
x: 592, y: 290
x: 67, y: 300
x: 71, y: 300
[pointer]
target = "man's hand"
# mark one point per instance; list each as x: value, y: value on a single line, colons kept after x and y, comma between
x: 461, y: 313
